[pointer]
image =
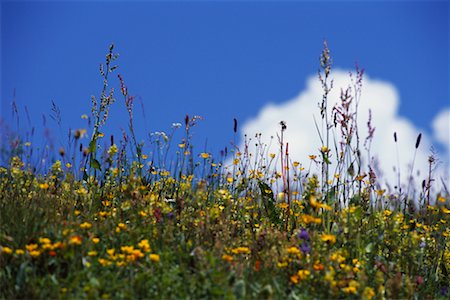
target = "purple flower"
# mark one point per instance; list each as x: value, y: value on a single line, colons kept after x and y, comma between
x: 170, y: 215
x: 305, y: 248
x: 303, y: 234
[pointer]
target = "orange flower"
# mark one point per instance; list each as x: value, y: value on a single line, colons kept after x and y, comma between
x: 318, y: 267
x: 75, y: 240
x: 257, y: 265
x: 227, y: 257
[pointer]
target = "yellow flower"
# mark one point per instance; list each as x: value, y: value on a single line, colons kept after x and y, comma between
x: 44, y: 186
x: 241, y: 250
x: 230, y: 179
x: 81, y: 191
x: 112, y: 150
x: 127, y: 249
x: 31, y: 247
x: 387, y: 212
x: 441, y: 199
x: 35, y: 253
x: 293, y: 250
x: 121, y: 263
x: 58, y: 245
x: 307, y: 219
x: 380, y: 192
x: 144, y: 245
x: 103, y: 214
x: 144, y: 156
x: 104, y: 262
x: 204, y: 155
x: 324, y: 149
x: 120, y: 226
x: 352, y: 287
x: 303, y: 274
x: 368, y: 293
x: 137, y: 254
x: 349, y: 290
x: 45, y: 240
x: 6, y: 250
x: 47, y: 246
x: 20, y: 252
x: 328, y: 238
x: 154, y: 257
x: 282, y: 264
x: 283, y: 205
x: 92, y: 253
x: 329, y: 275
x: 95, y: 240
x: 317, y: 205
x: 85, y: 225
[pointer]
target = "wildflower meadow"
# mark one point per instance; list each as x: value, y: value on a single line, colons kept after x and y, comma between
x: 130, y: 217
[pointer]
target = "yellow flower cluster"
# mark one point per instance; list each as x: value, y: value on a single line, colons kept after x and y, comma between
x: 241, y: 250
x: 328, y: 238
x: 308, y: 219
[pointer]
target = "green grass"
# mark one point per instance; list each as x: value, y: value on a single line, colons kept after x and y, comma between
x: 119, y: 224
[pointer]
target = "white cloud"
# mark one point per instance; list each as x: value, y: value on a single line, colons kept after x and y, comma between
x: 381, y: 98
x: 441, y: 127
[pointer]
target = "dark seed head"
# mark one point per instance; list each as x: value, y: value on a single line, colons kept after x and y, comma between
x: 419, y: 137
x: 395, y: 137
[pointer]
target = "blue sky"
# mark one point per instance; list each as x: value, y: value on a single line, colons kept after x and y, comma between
x: 219, y: 60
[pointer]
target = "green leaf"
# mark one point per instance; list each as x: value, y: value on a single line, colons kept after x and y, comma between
x: 94, y: 282
x: 95, y: 164
x: 239, y: 289
x: 268, y: 200
x: 369, y: 248
x: 92, y: 146
x: 351, y: 170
